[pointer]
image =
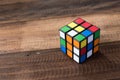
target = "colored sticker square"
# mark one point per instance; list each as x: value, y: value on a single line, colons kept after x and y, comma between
x: 76, y: 51
x: 72, y: 25
x: 69, y: 46
x: 83, y: 51
x: 79, y: 37
x: 82, y: 58
x: 89, y: 53
x: 96, y: 41
x: 79, y: 21
x: 76, y: 58
x: 86, y: 33
x: 62, y: 42
x: 69, y: 39
x: 65, y: 29
x: 93, y: 28
x: 76, y: 44
x: 86, y: 25
x: 96, y: 49
x: 69, y: 53
x: 90, y: 38
x: 62, y: 34
x: 63, y: 49
x: 97, y: 34
x: 83, y: 43
x: 72, y: 33
x: 90, y: 46
x: 79, y: 29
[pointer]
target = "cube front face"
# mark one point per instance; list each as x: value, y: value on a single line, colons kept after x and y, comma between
x: 79, y: 40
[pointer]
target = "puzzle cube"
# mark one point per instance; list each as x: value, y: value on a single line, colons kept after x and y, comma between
x: 79, y: 40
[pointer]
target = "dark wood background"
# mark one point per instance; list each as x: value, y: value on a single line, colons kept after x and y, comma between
x: 52, y: 64
x: 29, y: 39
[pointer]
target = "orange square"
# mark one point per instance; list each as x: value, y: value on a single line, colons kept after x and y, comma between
x: 96, y: 49
x: 76, y: 44
x: 69, y: 39
x: 69, y: 53
x: 96, y: 41
x: 69, y: 46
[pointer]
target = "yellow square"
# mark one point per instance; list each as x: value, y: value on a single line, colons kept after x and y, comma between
x: 83, y: 43
x: 79, y: 29
x: 72, y: 25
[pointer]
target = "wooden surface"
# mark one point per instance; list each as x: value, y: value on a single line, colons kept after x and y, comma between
x: 22, y: 10
x: 52, y: 64
x: 33, y: 36
x: 28, y: 25
x: 29, y: 39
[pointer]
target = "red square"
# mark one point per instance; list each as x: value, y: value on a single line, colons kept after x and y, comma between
x: 93, y: 28
x: 83, y: 51
x: 86, y: 25
x: 79, y: 21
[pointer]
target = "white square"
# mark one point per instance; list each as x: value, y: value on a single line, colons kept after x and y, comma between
x: 90, y: 38
x: 62, y: 35
x: 76, y: 51
x: 89, y: 53
x: 72, y: 33
x: 76, y: 58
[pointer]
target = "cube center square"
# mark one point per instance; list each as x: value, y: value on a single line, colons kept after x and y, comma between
x: 79, y: 40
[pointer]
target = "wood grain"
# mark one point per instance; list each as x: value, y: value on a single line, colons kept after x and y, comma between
x: 52, y: 64
x: 16, y: 10
x: 33, y: 24
x: 43, y: 34
x: 29, y: 31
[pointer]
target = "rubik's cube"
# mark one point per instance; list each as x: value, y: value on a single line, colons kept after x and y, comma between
x: 79, y: 40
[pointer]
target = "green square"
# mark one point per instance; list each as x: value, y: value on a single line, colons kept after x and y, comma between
x: 79, y: 37
x: 97, y: 34
x: 65, y: 28
x: 62, y: 42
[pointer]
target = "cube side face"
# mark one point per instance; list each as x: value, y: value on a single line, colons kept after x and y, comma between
x: 79, y: 40
x: 79, y: 51
x: 62, y: 33
x: 96, y: 38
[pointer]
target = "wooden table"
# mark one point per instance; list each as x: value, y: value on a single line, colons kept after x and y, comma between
x: 52, y: 64
x: 29, y: 40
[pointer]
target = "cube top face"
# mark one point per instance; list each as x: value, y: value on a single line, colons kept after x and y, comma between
x: 79, y: 40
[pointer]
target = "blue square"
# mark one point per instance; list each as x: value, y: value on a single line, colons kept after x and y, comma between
x: 90, y: 46
x: 63, y: 49
x: 82, y: 58
x: 86, y: 33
